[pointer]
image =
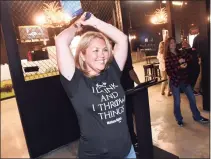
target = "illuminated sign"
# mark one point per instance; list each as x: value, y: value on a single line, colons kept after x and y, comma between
x: 33, y: 33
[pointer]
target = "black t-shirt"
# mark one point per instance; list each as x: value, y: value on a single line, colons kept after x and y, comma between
x: 99, y: 103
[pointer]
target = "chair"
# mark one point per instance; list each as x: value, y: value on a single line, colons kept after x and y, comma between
x: 148, y: 72
x: 156, y: 71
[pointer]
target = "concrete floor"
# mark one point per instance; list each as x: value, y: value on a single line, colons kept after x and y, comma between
x: 190, y: 141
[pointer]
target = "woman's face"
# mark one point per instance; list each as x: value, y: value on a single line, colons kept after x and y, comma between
x: 96, y: 56
x: 172, y: 44
x: 185, y: 44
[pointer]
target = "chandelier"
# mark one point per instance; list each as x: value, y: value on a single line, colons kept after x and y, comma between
x: 159, y: 16
x: 52, y: 16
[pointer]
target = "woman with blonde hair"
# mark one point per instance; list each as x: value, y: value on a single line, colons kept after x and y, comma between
x: 92, y: 82
x: 161, y: 59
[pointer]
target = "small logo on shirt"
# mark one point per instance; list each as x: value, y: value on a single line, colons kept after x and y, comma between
x: 114, y: 121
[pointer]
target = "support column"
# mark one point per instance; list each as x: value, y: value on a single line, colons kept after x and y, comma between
x: 119, y: 14
x: 170, y: 24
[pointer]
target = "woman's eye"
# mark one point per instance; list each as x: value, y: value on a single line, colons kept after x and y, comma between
x: 95, y: 51
x: 105, y: 50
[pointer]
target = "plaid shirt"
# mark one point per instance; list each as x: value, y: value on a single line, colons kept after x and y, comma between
x: 175, y: 73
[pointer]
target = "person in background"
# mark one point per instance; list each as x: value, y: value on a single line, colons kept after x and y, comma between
x: 200, y: 46
x: 176, y: 67
x: 91, y: 80
x: 128, y: 78
x: 161, y: 60
x: 185, y: 44
x: 193, y: 66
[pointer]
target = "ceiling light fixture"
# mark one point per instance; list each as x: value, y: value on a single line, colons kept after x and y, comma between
x: 177, y: 3
x: 159, y: 16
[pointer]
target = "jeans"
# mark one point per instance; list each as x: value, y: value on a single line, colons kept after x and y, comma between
x: 132, y: 153
x: 189, y: 93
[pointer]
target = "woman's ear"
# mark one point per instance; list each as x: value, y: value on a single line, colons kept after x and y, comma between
x: 112, y: 53
x: 82, y: 56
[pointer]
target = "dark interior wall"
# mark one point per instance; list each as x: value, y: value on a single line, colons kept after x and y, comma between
x: 48, y: 117
x: 208, y: 22
x: 23, y: 49
x: 206, y: 64
x: 192, y: 13
x: 140, y: 23
x: 3, y: 49
x: 201, y: 19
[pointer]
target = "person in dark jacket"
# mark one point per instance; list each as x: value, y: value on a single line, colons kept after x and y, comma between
x: 201, y: 45
x: 128, y: 78
x: 193, y: 65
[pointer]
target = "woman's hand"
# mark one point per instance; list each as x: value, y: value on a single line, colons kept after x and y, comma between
x: 181, y: 60
x: 184, y: 65
x: 199, y: 61
x: 92, y: 21
x: 78, y: 23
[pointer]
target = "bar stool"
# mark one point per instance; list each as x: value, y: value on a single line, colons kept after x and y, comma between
x: 156, y: 71
x: 148, y: 72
